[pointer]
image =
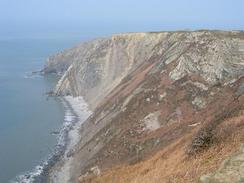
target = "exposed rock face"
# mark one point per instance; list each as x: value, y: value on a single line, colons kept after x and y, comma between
x: 60, y: 62
x: 213, y: 57
x: 230, y: 171
x: 172, y: 83
x: 101, y: 66
x: 94, y: 68
x: 151, y: 121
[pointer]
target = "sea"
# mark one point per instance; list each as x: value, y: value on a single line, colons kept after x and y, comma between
x: 30, y: 122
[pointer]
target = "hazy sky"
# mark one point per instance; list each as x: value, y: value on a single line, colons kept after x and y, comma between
x: 102, y: 17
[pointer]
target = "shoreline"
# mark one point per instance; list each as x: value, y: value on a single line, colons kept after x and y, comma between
x: 76, y: 112
x: 61, y: 171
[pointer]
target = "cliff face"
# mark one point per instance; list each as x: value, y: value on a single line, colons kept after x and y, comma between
x: 94, y: 68
x: 60, y: 62
x: 97, y: 67
x: 154, y: 92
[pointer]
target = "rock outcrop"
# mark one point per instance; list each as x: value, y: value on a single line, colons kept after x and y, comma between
x: 94, y: 68
x: 100, y: 66
x: 149, y: 92
x: 231, y: 170
x: 60, y: 62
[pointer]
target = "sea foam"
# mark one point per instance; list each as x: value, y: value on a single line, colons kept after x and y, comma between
x: 76, y: 112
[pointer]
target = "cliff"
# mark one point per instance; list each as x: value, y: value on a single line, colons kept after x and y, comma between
x: 169, y: 94
x: 95, y: 68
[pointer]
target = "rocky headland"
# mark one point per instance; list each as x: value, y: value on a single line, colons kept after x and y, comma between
x: 167, y: 107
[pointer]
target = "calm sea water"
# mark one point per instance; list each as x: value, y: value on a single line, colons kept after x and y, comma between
x: 27, y: 118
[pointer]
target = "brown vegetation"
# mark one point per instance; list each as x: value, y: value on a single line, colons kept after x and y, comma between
x: 172, y: 164
x: 190, y: 142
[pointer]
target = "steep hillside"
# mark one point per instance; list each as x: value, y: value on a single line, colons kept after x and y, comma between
x: 168, y: 106
x: 101, y: 64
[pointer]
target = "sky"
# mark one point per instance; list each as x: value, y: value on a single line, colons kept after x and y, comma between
x: 93, y: 18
